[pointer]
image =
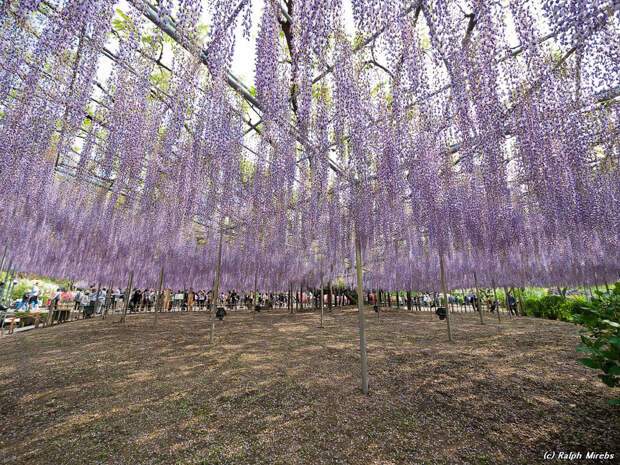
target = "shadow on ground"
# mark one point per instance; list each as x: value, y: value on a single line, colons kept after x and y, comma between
x: 278, y: 389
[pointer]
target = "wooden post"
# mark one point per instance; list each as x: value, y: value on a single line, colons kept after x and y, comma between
x: 216, y: 285
x: 159, y: 300
x: 50, y: 314
x: 478, y: 301
x: 445, y: 295
x: 362, y: 317
x: 127, y: 297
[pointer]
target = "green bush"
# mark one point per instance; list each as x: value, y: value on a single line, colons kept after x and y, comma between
x: 554, y: 307
x: 601, y: 336
x: 573, y: 307
x: 532, y: 307
x: 551, y: 305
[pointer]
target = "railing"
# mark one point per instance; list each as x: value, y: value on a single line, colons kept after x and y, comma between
x: 62, y: 312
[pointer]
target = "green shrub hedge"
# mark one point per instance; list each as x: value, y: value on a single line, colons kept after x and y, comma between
x: 554, y: 307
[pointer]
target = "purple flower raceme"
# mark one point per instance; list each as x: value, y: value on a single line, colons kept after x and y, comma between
x: 427, y: 132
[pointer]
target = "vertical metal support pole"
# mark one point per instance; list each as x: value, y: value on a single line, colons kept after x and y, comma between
x: 108, y: 300
x: 445, y: 295
x: 362, y: 316
x: 97, y: 297
x: 290, y: 297
x: 127, y: 297
x: 3, y: 259
x: 321, y: 301
x: 478, y: 301
x: 7, y: 283
x: 11, y: 289
x: 159, y: 299
x: 521, y: 306
x: 506, y: 302
x: 499, y: 318
x: 6, y: 288
x: 216, y: 286
x: 330, y: 295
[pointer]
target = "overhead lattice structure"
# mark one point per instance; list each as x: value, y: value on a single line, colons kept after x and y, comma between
x: 485, y: 133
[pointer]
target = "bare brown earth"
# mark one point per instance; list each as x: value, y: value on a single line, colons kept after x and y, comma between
x: 280, y: 390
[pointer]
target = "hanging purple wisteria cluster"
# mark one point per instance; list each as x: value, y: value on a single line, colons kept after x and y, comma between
x: 486, y: 133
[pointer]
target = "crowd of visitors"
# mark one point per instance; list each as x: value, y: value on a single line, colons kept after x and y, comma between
x: 91, y: 300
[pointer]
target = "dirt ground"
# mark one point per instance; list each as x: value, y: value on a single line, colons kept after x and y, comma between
x: 280, y: 390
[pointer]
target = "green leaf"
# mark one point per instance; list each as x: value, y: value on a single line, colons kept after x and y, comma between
x: 608, y: 380
x: 614, y: 371
x: 613, y: 401
x: 590, y: 363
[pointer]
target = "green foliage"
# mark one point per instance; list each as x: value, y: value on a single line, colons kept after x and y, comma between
x: 161, y: 79
x: 21, y: 288
x: 122, y: 23
x: 551, y: 307
x: 601, y: 336
x: 532, y: 307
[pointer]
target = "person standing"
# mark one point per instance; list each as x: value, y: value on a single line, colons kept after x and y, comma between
x: 93, y: 299
x: 84, y: 301
x: 101, y: 300
x: 34, y: 297
x: 76, y: 300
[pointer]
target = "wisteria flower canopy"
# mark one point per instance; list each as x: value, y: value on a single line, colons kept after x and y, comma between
x: 482, y: 132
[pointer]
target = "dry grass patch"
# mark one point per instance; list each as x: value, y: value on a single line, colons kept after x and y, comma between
x: 275, y: 388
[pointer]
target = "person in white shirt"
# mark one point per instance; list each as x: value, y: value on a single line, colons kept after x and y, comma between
x: 34, y: 296
x: 84, y: 299
x: 101, y: 301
